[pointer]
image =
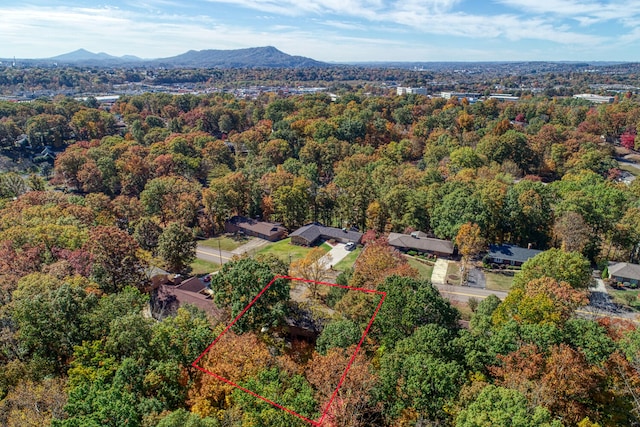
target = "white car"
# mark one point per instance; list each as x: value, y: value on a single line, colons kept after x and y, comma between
x: 350, y: 246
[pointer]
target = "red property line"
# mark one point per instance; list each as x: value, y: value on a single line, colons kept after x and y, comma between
x: 236, y: 319
x: 353, y: 357
x: 277, y: 405
x: 344, y: 374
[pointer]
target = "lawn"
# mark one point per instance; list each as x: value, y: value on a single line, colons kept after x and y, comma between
x: 626, y: 167
x: 348, y: 261
x: 200, y: 267
x: 454, y: 277
x: 498, y: 282
x: 463, y: 308
x: 227, y: 242
x: 628, y: 297
x: 424, y: 270
x: 288, y: 252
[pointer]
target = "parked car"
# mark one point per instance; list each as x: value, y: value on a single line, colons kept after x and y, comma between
x: 350, y: 246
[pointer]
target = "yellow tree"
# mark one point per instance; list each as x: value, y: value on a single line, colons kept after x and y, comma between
x: 314, y: 266
x: 353, y: 401
x: 235, y: 358
x: 540, y: 301
x: 470, y: 242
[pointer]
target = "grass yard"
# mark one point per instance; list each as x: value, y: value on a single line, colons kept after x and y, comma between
x: 498, y: 282
x: 285, y: 250
x: 348, y: 261
x: 463, y: 308
x: 227, y: 243
x: 200, y: 267
x: 627, y: 297
x: 454, y: 276
x: 424, y: 270
x: 626, y: 167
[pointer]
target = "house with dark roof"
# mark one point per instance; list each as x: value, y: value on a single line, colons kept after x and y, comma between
x: 251, y: 227
x: 420, y: 242
x: 510, y: 254
x: 314, y: 233
x: 625, y: 272
x: 166, y: 298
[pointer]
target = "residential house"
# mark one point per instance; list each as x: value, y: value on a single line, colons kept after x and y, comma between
x: 166, y: 298
x: 314, y: 233
x: 251, y: 227
x: 420, y: 242
x: 625, y: 272
x: 510, y: 254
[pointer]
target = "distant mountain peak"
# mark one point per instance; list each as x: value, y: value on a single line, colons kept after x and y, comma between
x: 253, y: 57
x: 82, y: 55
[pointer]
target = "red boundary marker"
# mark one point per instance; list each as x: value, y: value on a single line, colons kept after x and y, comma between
x: 316, y: 423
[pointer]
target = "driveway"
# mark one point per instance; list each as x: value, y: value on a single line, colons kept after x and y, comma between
x: 439, y: 274
x: 335, y: 255
x: 251, y: 247
x: 476, y: 279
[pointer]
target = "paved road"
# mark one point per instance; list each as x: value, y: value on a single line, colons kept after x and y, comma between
x: 591, y: 312
x: 207, y: 253
x: 251, y: 247
x: 213, y: 255
x: 462, y: 294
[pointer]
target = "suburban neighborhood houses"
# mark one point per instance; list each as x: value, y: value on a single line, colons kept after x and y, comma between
x: 449, y: 245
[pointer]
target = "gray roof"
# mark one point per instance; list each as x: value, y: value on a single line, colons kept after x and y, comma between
x: 512, y: 252
x: 259, y: 227
x: 625, y: 270
x: 313, y: 231
x: 421, y: 243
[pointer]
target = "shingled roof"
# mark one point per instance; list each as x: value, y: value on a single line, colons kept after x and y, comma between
x: 312, y: 232
x: 625, y: 270
x: 257, y: 227
x: 420, y: 242
x: 512, y: 253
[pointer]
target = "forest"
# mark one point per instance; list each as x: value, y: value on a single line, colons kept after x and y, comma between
x: 134, y: 184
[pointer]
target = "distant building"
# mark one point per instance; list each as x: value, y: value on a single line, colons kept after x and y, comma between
x: 411, y: 90
x: 314, y: 233
x: 504, y: 97
x: 596, y: 99
x: 471, y: 96
x: 251, y: 227
x: 419, y: 242
x: 510, y: 254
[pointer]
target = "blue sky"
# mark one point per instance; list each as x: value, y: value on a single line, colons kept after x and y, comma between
x: 329, y: 30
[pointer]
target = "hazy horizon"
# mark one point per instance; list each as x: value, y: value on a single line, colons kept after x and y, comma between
x: 330, y: 30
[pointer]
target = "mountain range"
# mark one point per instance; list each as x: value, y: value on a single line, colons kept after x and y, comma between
x: 257, y: 57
